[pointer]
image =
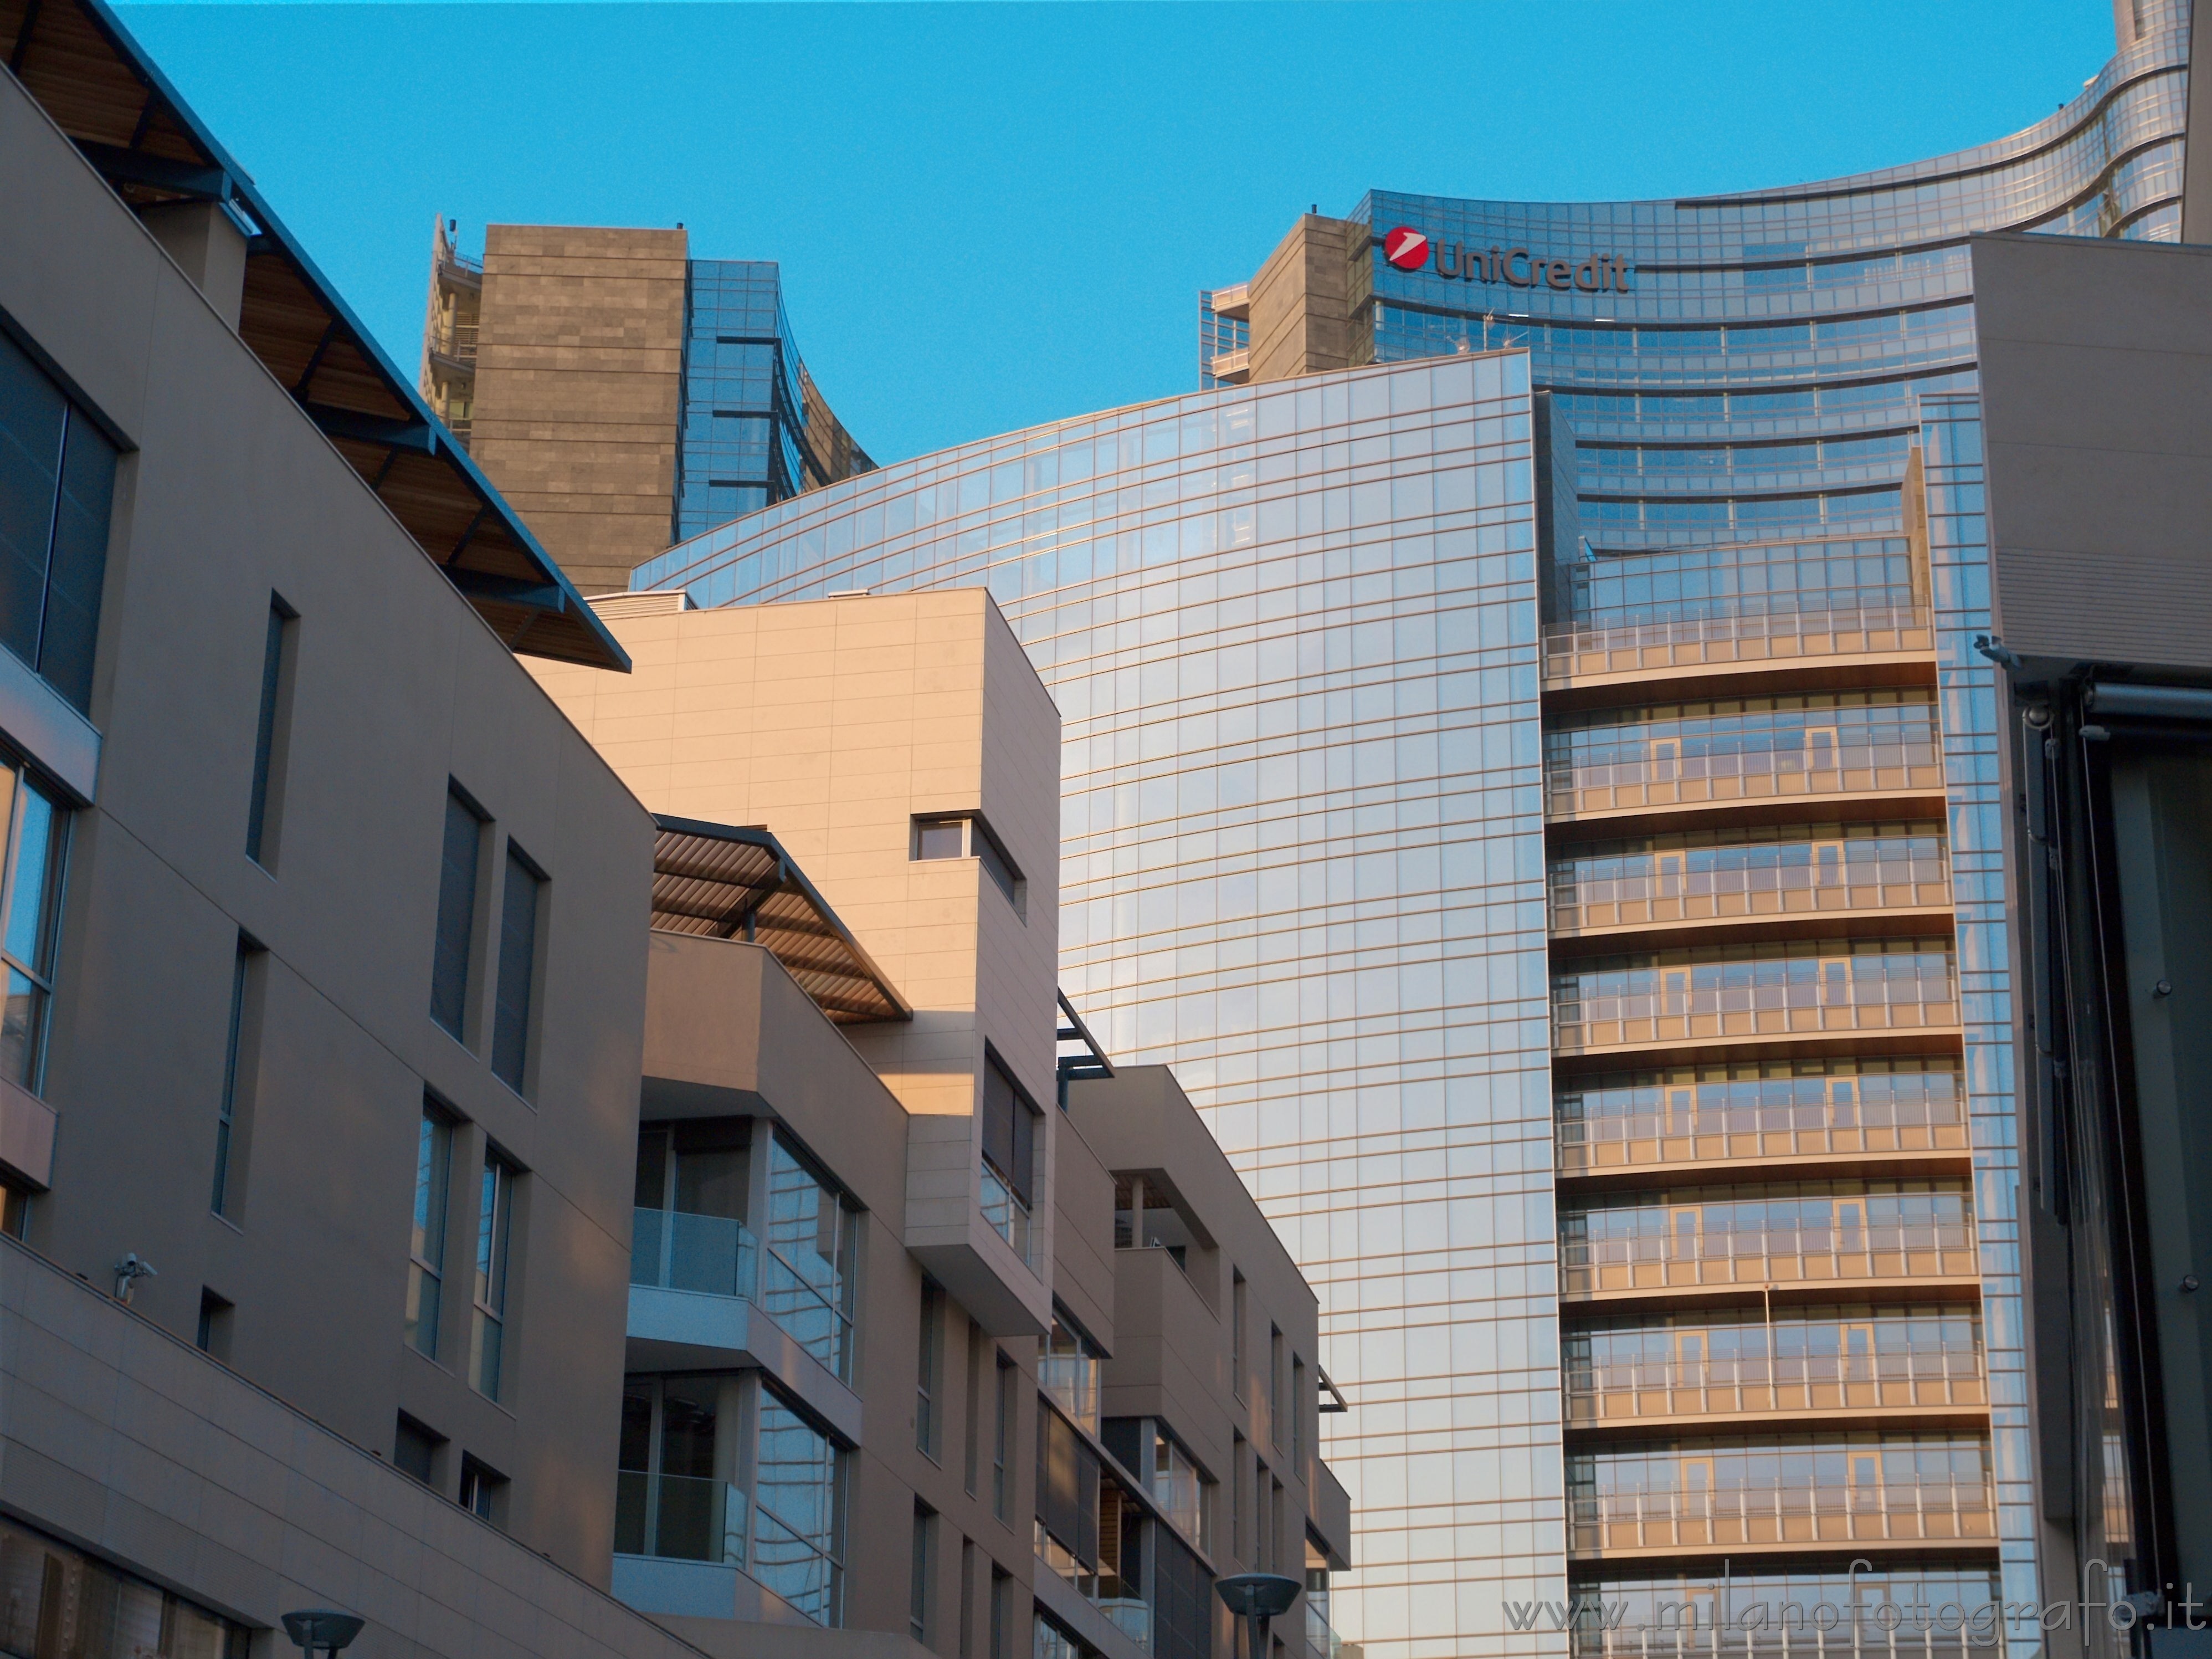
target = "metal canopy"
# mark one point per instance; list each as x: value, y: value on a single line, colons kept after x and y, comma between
x: 723, y: 882
x: 101, y: 89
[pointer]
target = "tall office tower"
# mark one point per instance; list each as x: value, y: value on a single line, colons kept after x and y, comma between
x: 1597, y: 963
x: 622, y: 394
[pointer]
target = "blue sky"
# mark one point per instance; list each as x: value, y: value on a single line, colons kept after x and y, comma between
x: 994, y: 215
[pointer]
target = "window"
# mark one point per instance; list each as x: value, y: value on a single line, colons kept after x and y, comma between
x: 1298, y: 1411
x: 56, y: 483
x: 268, y: 734
x: 1263, y: 1520
x: 90, y: 1610
x: 1071, y: 1370
x: 798, y: 1507
x: 1276, y: 1435
x: 688, y: 1232
x: 809, y: 1273
x: 928, y: 1372
x: 457, y: 916
x: 484, y: 1492
x: 1239, y: 1534
x: 518, y: 956
x: 917, y: 1594
x: 16, y: 1214
x: 1178, y: 1488
x: 38, y: 838
x: 228, y: 1149
x: 1002, y: 1440
x: 214, y: 1336
x: 487, y: 1329
x: 952, y: 837
x: 1010, y: 1135
x: 1236, y: 1318
x: 972, y: 1446
x: 1002, y: 1612
x: 426, y: 1267
x: 679, y: 1455
x: 415, y: 1450
x: 967, y: 1598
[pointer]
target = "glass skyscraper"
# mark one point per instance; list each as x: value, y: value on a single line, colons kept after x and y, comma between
x: 1540, y: 791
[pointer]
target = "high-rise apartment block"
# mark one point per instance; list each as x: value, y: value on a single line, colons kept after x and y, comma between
x: 621, y: 393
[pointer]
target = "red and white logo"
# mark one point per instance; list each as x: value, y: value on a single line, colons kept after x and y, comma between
x: 1406, y: 248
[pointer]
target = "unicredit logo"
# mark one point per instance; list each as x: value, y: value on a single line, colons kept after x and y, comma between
x: 1406, y: 248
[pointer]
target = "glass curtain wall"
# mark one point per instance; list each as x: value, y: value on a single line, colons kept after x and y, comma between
x: 1292, y: 631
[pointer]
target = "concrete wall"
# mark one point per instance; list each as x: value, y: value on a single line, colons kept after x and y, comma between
x: 2096, y: 369
x: 1301, y: 300
x: 230, y: 493
x: 580, y: 379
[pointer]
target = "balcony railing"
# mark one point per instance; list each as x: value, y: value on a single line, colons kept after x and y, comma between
x: 1811, y: 1514
x: 676, y: 1250
x: 678, y: 1517
x: 1619, y: 1391
x: 1696, y: 1134
x: 1691, y: 1254
x: 1662, y: 1001
x: 1572, y: 653
x: 1637, y: 772
x: 1807, y: 878
x: 455, y: 342
x: 1006, y: 1215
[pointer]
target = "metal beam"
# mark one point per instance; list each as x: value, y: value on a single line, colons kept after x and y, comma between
x: 506, y: 590
x: 315, y: 361
x: 134, y: 167
x: 417, y: 437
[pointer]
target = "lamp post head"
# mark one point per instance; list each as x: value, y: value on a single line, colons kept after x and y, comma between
x: 319, y: 1630
x: 1257, y: 1595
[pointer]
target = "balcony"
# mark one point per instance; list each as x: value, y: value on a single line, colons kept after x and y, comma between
x: 1653, y: 1120
x: 1843, y: 1233
x: 693, y: 1547
x: 1230, y: 367
x: 1625, y: 1392
x: 1707, y: 997
x: 455, y: 343
x: 1692, y: 755
x: 704, y: 1294
x: 678, y: 1518
x: 1781, y: 1497
x: 1676, y: 883
x: 1578, y: 657
x: 1006, y: 1214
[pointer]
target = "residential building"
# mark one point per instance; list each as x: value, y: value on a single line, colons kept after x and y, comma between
x: 930, y: 1335
x: 622, y: 394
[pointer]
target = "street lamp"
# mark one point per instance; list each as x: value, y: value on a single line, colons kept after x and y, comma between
x: 318, y: 1630
x: 1258, y: 1597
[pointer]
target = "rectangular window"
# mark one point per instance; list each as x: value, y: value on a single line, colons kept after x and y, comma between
x: 1240, y: 1534
x: 484, y: 1492
x: 518, y: 956
x: 971, y: 1449
x: 457, y: 916
x: 1276, y: 1435
x: 269, y: 733
x: 798, y: 1511
x: 1002, y: 1612
x: 487, y: 1329
x: 214, y: 1336
x: 928, y: 1371
x: 1297, y: 1415
x: 426, y: 1267
x: 1263, y: 1521
x: 229, y: 1148
x: 57, y: 484
x: 1237, y: 1317
x: 38, y: 838
x: 1009, y: 1171
x: 415, y: 1450
x: 810, y: 1272
x: 967, y: 1598
x: 917, y: 1594
x: 1002, y: 1441
x: 969, y: 838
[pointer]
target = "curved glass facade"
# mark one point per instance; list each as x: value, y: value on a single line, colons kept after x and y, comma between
x: 1329, y: 686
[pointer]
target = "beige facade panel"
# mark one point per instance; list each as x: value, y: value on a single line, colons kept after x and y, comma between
x: 1301, y: 300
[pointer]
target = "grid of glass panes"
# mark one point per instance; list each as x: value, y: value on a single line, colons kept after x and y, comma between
x: 738, y: 448
x: 1292, y: 631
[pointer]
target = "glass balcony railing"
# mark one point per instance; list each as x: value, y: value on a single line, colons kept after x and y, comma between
x: 1580, y: 652
x: 1006, y: 1215
x: 1845, y: 1231
x: 1711, y: 1385
x: 1804, y: 987
x: 676, y: 1250
x: 1655, y: 1119
x: 1746, y: 748
x: 1824, y: 870
x: 678, y: 1517
x: 1849, y: 1490
x: 1121, y: 1601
